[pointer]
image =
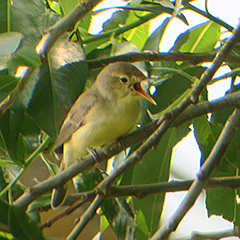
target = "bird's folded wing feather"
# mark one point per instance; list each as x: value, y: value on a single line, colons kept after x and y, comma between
x: 75, y: 117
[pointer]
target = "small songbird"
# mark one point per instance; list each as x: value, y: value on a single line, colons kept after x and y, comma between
x: 106, y: 111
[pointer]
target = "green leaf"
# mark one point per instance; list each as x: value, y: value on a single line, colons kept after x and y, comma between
x: 58, y: 83
x: 26, y: 56
x: 22, y: 226
x: 4, y: 24
x: 174, y: 87
x: 200, y: 39
x: 153, y: 41
x: 88, y: 180
x: 4, y: 209
x: 222, y: 201
x: 68, y: 6
x: 206, y: 134
x: 137, y: 35
x: 9, y: 42
x: 117, y: 18
x: 7, y: 85
x: 155, y: 9
x: 120, y: 218
x: 10, y: 126
x: 31, y: 26
x: 154, y: 168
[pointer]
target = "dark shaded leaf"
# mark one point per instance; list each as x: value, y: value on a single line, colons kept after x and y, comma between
x: 153, y: 168
x: 22, y: 226
x: 60, y: 80
x: 7, y: 85
x: 171, y: 89
x: 3, y: 16
x: 4, y: 208
x: 27, y: 17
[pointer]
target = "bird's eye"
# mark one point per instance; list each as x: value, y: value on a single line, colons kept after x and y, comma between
x: 123, y: 80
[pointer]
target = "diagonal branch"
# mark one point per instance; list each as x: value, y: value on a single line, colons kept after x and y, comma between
x: 218, y: 151
x: 231, y: 100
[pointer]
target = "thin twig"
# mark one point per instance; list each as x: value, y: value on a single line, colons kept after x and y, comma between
x: 193, y: 58
x: 86, y: 217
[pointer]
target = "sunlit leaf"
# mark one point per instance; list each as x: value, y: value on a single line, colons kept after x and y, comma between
x: 200, y: 39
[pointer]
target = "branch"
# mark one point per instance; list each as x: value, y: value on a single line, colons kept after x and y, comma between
x: 86, y: 217
x: 193, y: 58
x: 231, y: 100
x: 47, y: 41
x: 209, y: 165
x: 209, y: 16
x: 138, y: 191
x: 196, y: 235
x: 144, y: 190
x: 103, y: 154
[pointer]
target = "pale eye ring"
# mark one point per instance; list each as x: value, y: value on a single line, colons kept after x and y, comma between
x: 123, y: 79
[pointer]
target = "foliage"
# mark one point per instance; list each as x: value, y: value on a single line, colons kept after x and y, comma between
x: 31, y: 124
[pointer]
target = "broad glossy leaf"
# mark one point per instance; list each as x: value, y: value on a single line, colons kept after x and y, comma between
x: 10, y: 126
x: 7, y: 85
x: 137, y: 35
x: 154, y: 40
x: 22, y: 226
x: 200, y: 39
x: 4, y: 208
x: 9, y: 42
x: 31, y: 26
x: 117, y: 18
x: 59, y: 81
x: 68, y: 6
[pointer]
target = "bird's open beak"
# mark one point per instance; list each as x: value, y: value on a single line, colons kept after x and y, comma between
x: 138, y: 87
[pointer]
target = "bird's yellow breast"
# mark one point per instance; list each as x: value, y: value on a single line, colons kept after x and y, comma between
x: 102, y: 127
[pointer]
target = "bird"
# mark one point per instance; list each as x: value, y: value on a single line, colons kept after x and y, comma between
x: 108, y: 110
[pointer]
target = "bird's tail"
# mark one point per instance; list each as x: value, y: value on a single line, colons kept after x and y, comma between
x: 58, y: 195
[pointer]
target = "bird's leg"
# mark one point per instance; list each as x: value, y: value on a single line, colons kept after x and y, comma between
x: 122, y: 143
x: 94, y: 154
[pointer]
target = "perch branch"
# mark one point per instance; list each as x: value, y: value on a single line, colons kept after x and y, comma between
x: 219, y: 149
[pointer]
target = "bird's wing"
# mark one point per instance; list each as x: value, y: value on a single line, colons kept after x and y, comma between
x: 75, y: 117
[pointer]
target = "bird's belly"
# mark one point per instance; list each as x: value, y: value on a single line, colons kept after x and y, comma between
x: 103, y: 129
